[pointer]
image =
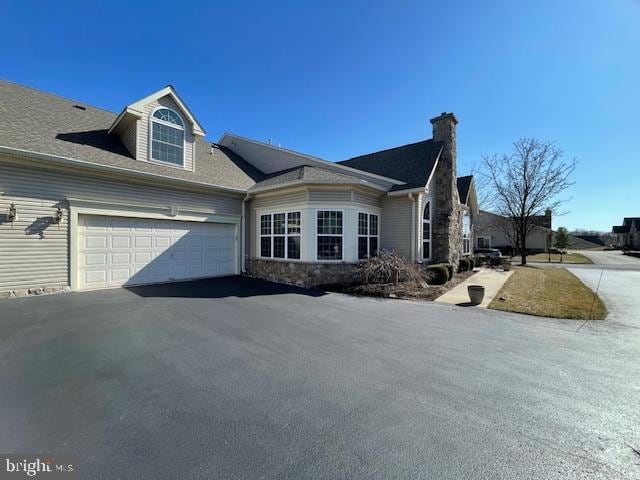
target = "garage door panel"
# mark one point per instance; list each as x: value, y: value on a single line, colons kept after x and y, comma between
x: 144, y: 241
x: 95, y: 241
x: 162, y: 241
x: 142, y: 258
x: 120, y: 258
x: 95, y: 277
x: 118, y: 241
x: 120, y: 274
x: 93, y: 259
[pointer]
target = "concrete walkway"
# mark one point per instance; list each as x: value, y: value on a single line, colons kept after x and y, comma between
x: 492, y: 281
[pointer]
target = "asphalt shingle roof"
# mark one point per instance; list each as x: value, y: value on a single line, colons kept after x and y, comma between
x: 464, y: 183
x: 45, y: 123
x: 412, y: 163
x: 304, y: 172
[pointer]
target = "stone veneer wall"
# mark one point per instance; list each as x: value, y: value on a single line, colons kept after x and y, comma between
x: 301, y: 274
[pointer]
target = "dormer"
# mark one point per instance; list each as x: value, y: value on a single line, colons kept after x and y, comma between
x: 159, y: 129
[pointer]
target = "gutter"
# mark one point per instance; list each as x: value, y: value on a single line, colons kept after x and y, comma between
x: 408, y: 191
x: 60, y: 160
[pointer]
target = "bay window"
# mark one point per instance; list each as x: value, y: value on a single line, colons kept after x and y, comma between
x: 367, y: 235
x: 329, y: 235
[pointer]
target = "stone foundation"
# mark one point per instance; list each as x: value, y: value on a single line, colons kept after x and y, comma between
x: 302, y: 274
x: 26, y: 292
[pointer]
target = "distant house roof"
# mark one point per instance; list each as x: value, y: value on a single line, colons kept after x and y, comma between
x: 626, y: 225
x: 595, y: 239
x: 412, y: 163
x: 464, y: 186
x: 308, y: 174
x: 35, y: 121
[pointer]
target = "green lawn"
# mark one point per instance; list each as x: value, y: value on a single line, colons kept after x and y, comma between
x: 568, y: 258
x: 549, y: 292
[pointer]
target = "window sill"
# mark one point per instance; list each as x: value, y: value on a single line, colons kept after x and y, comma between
x: 167, y: 164
x: 281, y: 260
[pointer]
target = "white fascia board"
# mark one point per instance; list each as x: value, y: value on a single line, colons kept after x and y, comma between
x: 309, y: 158
x: 169, y: 90
x: 433, y: 170
x: 315, y: 182
x: 398, y: 193
x: 126, y: 112
x: 66, y: 161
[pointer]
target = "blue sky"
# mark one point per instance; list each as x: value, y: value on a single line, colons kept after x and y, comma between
x: 337, y: 79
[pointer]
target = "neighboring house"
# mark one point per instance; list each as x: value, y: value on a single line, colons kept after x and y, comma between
x: 628, y: 234
x: 496, y: 231
x: 92, y: 199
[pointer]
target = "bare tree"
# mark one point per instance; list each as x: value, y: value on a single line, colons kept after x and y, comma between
x: 522, y: 184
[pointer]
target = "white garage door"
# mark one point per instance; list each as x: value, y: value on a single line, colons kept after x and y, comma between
x: 116, y: 251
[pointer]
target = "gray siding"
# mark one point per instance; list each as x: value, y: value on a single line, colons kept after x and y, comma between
x: 143, y: 132
x: 329, y: 196
x: 395, y: 226
x: 367, y: 198
x: 129, y: 137
x: 34, y: 252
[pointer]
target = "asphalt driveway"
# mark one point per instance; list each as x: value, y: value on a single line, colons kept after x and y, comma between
x: 237, y: 378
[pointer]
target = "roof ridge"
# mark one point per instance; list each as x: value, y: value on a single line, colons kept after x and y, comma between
x: 428, y: 140
x: 71, y: 100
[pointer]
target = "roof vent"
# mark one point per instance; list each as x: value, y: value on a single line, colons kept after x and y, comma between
x: 79, y: 107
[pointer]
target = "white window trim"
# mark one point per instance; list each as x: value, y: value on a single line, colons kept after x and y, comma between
x: 368, y: 235
x: 152, y: 119
x: 466, y: 235
x: 315, y: 242
x: 484, y: 237
x: 422, y: 239
x: 272, y: 235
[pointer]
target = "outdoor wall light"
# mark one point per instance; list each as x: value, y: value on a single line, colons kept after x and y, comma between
x: 13, y: 213
x: 58, y: 216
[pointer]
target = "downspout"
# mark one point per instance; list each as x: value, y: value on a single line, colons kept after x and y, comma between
x: 243, y: 234
x: 413, y: 226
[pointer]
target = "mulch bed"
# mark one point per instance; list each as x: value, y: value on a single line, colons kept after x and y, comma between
x: 403, y: 290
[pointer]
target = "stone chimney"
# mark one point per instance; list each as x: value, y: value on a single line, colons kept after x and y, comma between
x: 446, y: 221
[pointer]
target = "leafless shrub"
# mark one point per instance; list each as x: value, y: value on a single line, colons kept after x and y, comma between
x: 387, y: 267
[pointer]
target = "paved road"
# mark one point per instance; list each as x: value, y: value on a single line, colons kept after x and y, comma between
x: 237, y: 378
x: 616, y: 277
x: 612, y: 258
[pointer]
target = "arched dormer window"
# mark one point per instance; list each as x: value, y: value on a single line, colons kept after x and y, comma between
x: 426, y: 232
x: 167, y: 137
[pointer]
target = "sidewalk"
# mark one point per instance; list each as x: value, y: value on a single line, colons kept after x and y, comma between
x: 492, y: 281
